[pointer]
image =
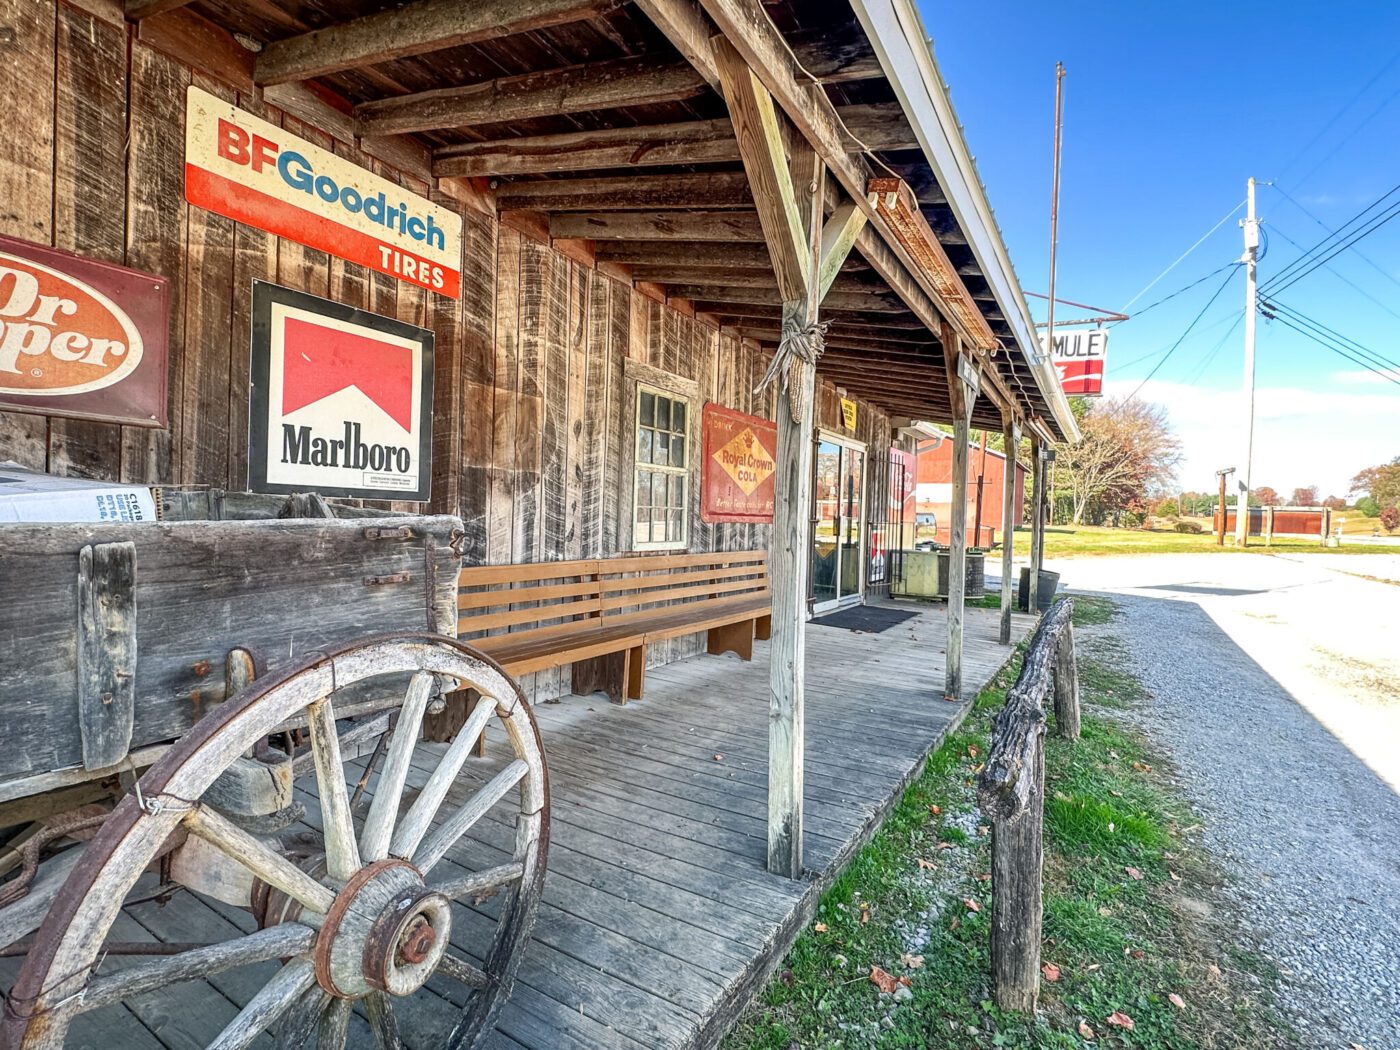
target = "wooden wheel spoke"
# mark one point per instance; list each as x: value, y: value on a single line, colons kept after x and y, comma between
x: 297, y: 1027
x: 479, y: 881
x: 379, y: 825
x: 382, y: 1021
x: 335, y: 1025
x: 271, y: 1002
x: 419, y: 818
x: 277, y: 942
x: 337, y: 824
x: 457, y: 825
x: 461, y: 970
x: 259, y: 858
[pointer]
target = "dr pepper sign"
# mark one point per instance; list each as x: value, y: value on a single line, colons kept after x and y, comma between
x: 260, y: 175
x: 81, y: 338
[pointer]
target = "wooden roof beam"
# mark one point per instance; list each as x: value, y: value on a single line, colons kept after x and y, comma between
x: 722, y: 226
x: 715, y: 189
x: 880, y: 126
x: 839, y: 300
x: 636, y: 81
x: 685, y: 253
x: 760, y: 138
x: 136, y: 10
x: 836, y: 54
x: 414, y: 29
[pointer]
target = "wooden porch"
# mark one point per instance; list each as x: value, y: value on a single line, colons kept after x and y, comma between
x: 659, y: 918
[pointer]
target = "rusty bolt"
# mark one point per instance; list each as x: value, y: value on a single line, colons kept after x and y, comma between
x: 201, y: 669
x: 417, y: 942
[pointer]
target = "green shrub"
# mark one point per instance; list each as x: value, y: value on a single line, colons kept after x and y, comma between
x: 1193, y: 527
x: 1369, y: 507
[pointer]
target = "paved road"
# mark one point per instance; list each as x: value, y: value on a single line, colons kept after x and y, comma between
x: 1276, y: 687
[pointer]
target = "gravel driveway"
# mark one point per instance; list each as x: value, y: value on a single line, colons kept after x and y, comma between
x: 1296, y: 782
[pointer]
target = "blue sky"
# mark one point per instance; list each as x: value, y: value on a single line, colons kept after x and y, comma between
x: 1169, y: 108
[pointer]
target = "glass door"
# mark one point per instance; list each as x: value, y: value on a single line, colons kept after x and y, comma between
x: 838, y: 525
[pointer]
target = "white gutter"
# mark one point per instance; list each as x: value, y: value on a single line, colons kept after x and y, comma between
x: 901, y: 42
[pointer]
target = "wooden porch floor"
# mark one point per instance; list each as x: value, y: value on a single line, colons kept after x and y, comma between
x: 659, y: 920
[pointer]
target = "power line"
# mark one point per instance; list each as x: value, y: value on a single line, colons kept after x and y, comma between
x: 1338, y: 115
x: 1123, y: 367
x: 1327, y: 229
x: 1340, y: 276
x: 1167, y: 357
x: 1210, y: 356
x: 1223, y: 219
x: 1333, y: 341
x: 1354, y: 132
x: 1380, y: 359
x: 1185, y: 288
x: 1313, y: 257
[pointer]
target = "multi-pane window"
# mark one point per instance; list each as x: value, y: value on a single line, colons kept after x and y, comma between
x: 660, y: 514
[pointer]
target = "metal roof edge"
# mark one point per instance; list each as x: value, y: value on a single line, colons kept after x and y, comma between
x: 913, y: 73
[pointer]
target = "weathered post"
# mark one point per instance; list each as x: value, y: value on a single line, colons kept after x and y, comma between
x: 1012, y: 794
x: 1268, y: 526
x: 962, y: 389
x: 1066, y: 685
x: 1037, y: 522
x: 806, y: 255
x: 1011, y: 436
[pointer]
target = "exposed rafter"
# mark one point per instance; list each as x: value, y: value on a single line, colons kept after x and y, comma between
x: 413, y: 29
x: 728, y: 226
x: 641, y: 80
x: 630, y: 193
x: 881, y: 126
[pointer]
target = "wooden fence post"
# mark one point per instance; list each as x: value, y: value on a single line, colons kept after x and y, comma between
x: 1011, y: 497
x: 1012, y: 794
x: 1066, y: 687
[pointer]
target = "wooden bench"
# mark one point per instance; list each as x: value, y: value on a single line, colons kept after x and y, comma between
x: 601, y: 614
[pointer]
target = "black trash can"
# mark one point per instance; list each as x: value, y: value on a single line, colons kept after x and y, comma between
x: 1049, y: 581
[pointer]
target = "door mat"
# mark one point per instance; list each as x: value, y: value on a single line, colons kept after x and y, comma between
x: 868, y: 619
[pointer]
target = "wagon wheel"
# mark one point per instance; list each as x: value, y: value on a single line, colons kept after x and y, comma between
x: 366, y: 915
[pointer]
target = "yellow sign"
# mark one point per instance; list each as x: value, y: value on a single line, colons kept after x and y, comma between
x: 745, y: 460
x: 848, y: 413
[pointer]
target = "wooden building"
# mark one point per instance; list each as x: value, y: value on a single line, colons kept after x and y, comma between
x: 986, y: 482
x: 655, y: 196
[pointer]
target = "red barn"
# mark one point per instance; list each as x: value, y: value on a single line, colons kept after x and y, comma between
x: 933, y: 493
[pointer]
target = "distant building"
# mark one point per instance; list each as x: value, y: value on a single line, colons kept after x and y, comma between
x: 933, y: 490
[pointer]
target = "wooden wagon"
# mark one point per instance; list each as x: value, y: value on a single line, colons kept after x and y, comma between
x: 234, y: 709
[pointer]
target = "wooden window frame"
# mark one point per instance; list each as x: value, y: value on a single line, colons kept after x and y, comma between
x: 637, y: 378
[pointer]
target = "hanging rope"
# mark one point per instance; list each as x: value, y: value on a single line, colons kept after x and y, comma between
x: 798, y: 350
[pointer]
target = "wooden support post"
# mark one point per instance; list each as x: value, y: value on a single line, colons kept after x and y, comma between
x: 1326, y: 524
x: 1011, y: 791
x: 962, y: 389
x: 1010, y: 497
x: 1268, y: 526
x: 1066, y: 686
x: 1220, y: 532
x: 788, y: 198
x: 1037, y: 524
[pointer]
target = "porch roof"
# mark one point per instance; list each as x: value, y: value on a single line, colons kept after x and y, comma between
x: 599, y: 123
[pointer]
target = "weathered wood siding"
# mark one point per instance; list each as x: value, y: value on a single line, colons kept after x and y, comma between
x: 529, y: 417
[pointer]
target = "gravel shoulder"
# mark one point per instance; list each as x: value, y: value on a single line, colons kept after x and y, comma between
x: 1284, y: 746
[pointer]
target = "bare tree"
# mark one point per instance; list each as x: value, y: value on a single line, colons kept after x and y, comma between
x: 1127, y: 448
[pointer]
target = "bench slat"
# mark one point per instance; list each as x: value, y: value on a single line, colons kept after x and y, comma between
x: 652, y: 597
x: 517, y: 595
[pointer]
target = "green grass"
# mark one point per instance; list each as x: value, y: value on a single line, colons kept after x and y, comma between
x: 1084, y: 541
x: 1121, y: 942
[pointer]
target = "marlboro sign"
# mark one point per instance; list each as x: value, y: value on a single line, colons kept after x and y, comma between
x: 341, y: 401
x: 258, y: 174
x: 81, y: 338
x: 740, y: 453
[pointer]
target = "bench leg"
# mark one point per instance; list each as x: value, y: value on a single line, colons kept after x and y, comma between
x: 445, y: 725
x: 602, y: 674
x: 636, y: 671
x: 763, y: 628
x: 732, y: 638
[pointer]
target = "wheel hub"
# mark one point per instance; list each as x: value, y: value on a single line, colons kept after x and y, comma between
x: 385, y: 932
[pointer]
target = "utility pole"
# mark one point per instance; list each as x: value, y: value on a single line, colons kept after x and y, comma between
x: 1055, y: 206
x: 1220, y: 529
x: 1251, y: 299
